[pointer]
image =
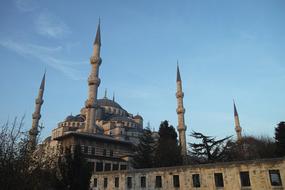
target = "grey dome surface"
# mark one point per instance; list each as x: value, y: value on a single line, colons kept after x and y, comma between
x: 77, y: 118
x: 120, y: 118
x: 110, y: 103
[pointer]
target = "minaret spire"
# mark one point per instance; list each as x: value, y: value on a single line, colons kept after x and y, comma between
x: 178, y: 77
x: 98, y: 35
x: 93, y: 83
x: 238, y: 128
x: 180, y: 112
x: 36, y: 116
x: 113, y: 96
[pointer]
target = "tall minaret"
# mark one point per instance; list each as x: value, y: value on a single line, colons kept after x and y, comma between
x: 36, y: 116
x: 180, y: 112
x: 237, y: 124
x: 93, y: 83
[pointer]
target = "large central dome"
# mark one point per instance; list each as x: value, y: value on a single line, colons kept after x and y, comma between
x: 105, y: 102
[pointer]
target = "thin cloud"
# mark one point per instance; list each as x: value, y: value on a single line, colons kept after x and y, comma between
x: 49, y: 25
x: 26, y: 5
x: 47, y: 56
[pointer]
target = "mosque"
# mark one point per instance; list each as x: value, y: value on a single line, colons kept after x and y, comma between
x: 105, y: 131
x: 106, y: 134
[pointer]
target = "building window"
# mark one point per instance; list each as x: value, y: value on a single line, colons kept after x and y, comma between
x: 116, y: 181
x: 89, y: 149
x: 107, y: 167
x: 99, y: 166
x: 123, y: 167
x: 143, y: 182
x: 105, y: 182
x: 129, y: 182
x: 82, y: 148
x: 196, y: 180
x: 219, y: 180
x: 85, y: 149
x: 244, y: 179
x: 93, y: 150
x: 275, y: 178
x: 115, y: 167
x: 111, y: 153
x: 95, y: 182
x: 176, y: 181
x: 158, y: 182
x: 104, y: 152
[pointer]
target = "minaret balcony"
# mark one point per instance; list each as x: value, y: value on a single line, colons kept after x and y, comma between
x: 238, y: 129
x: 179, y: 94
x: 36, y: 115
x: 180, y: 110
x: 94, y: 80
x: 39, y: 101
x: 90, y: 103
x: 95, y: 60
x: 182, y: 128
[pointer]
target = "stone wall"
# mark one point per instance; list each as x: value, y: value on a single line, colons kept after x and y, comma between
x: 258, y: 173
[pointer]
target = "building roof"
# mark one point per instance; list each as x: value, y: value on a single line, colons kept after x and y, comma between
x: 93, y: 136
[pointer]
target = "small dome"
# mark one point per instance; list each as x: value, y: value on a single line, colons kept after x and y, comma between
x: 69, y: 118
x: 138, y: 116
x: 106, y: 102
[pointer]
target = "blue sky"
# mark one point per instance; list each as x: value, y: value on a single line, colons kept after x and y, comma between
x: 226, y: 49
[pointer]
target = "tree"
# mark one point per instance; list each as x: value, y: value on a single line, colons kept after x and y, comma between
x: 167, y: 151
x: 144, y: 151
x: 19, y: 167
x: 209, y: 150
x: 280, y: 139
x: 74, y: 171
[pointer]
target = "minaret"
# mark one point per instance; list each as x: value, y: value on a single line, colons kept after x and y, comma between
x: 180, y: 112
x: 237, y: 124
x: 36, y: 116
x: 93, y: 83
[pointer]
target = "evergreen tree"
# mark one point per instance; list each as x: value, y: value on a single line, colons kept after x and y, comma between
x: 209, y: 150
x: 280, y: 139
x: 75, y: 172
x: 144, y: 151
x: 167, y: 151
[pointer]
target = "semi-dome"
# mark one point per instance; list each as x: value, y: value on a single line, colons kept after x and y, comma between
x: 110, y: 103
x: 77, y: 118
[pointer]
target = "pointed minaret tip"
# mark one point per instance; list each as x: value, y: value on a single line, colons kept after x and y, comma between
x: 113, y: 96
x: 43, y: 82
x: 98, y: 35
x: 178, y: 78
x: 235, y: 109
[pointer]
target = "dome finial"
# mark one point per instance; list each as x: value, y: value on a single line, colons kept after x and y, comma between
x: 105, y: 96
x: 113, y: 96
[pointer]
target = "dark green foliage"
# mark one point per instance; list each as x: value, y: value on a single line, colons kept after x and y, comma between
x: 144, y: 151
x: 209, y: 150
x: 280, y: 139
x: 167, y: 151
x: 250, y: 148
x: 74, y: 171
